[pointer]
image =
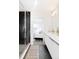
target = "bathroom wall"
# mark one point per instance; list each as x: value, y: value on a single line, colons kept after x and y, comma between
x: 46, y: 22
x: 24, y: 27
x: 52, y: 22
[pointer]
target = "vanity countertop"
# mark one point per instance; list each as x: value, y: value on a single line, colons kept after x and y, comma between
x: 53, y: 36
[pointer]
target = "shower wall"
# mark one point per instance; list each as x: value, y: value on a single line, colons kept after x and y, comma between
x: 24, y: 27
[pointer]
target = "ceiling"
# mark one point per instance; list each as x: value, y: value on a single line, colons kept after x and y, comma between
x: 38, y: 7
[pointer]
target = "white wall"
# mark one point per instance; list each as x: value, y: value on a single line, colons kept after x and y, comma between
x: 37, y: 24
x: 52, y: 22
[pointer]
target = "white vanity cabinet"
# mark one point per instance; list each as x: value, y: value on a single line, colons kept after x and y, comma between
x: 52, y: 44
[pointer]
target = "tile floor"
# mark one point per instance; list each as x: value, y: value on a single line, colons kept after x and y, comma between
x: 38, y: 51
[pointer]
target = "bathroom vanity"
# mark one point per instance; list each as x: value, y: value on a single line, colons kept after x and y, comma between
x: 52, y: 42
